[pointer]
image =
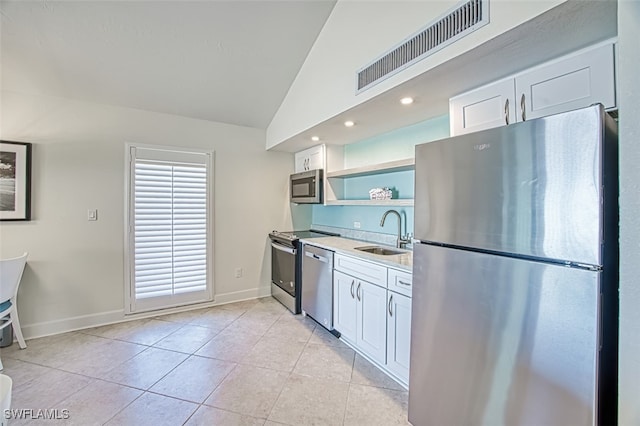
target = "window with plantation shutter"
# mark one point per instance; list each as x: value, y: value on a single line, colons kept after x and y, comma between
x: 169, y: 235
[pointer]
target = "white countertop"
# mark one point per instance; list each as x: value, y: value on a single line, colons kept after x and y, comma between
x: 347, y: 246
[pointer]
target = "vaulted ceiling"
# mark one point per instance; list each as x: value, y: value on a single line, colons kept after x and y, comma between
x: 226, y: 61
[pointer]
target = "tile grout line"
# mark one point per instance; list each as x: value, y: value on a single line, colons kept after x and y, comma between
x: 346, y: 404
x: 288, y: 377
x: 261, y: 313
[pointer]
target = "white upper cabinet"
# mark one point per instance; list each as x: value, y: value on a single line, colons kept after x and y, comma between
x: 489, y: 106
x: 309, y: 159
x: 568, y: 83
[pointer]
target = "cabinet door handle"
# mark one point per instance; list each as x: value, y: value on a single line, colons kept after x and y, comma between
x: 358, y: 291
x: 506, y: 111
x: 390, y: 302
x: 523, y: 107
x: 404, y: 283
x: 352, y: 283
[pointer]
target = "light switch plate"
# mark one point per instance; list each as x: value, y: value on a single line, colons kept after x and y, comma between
x: 92, y: 214
x: 356, y: 225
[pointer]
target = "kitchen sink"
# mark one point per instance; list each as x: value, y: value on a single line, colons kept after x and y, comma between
x: 380, y: 250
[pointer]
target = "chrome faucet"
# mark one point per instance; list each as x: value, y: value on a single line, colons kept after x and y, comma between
x: 401, y: 240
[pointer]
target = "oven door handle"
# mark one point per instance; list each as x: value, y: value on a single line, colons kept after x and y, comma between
x: 283, y: 248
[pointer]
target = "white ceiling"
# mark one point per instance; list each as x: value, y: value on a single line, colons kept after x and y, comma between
x: 227, y: 61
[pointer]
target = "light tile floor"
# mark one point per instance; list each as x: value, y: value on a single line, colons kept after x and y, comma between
x: 246, y: 363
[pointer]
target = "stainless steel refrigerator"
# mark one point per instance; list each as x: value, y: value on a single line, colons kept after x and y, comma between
x: 514, y: 315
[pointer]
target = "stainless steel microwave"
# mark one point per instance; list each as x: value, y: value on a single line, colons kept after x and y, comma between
x: 306, y: 187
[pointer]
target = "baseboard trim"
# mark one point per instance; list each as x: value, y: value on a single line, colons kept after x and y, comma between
x: 64, y: 325
x: 48, y: 328
x: 238, y: 296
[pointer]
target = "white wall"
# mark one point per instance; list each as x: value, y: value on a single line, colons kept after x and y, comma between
x: 628, y: 92
x: 358, y: 32
x: 74, y: 276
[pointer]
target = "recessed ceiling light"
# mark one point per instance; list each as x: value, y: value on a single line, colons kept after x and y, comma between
x: 315, y: 138
x: 349, y: 123
x: 406, y: 101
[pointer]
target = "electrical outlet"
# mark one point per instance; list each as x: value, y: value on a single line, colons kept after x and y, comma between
x: 356, y: 225
x: 92, y: 215
x: 238, y: 272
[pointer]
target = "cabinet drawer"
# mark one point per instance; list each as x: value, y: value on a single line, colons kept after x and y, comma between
x: 400, y: 281
x: 361, y: 269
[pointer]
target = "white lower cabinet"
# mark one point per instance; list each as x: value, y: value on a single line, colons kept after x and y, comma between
x: 374, y: 318
x: 372, y: 321
x: 398, y: 334
x: 344, y: 305
x: 359, y: 314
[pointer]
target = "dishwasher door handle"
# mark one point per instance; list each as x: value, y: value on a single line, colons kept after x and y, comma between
x: 316, y: 257
x: 283, y: 248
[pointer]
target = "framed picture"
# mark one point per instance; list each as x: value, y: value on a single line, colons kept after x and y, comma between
x: 15, y: 180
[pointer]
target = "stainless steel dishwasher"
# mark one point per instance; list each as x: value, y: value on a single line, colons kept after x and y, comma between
x: 317, y: 285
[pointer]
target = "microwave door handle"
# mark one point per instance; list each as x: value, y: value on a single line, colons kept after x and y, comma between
x: 283, y: 248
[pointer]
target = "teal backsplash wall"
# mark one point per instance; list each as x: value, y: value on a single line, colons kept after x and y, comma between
x: 368, y: 216
x: 395, y: 145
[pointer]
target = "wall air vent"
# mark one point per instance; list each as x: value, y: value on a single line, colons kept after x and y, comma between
x: 463, y: 19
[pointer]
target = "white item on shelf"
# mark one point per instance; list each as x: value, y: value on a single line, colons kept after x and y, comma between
x: 380, y: 194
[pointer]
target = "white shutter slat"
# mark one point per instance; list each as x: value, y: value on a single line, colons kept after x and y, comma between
x: 170, y: 224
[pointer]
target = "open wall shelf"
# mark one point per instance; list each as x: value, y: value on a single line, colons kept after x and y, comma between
x: 394, y: 202
x: 391, y: 166
x: 335, y: 184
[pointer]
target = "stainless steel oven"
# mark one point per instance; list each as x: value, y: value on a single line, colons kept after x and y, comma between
x: 286, y: 266
x: 283, y: 274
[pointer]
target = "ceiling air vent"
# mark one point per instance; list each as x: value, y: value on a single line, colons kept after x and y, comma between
x: 463, y: 19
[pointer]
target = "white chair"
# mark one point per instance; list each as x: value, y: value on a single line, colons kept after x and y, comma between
x: 10, y: 274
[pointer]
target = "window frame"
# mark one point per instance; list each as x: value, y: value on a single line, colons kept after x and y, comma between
x: 130, y: 303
